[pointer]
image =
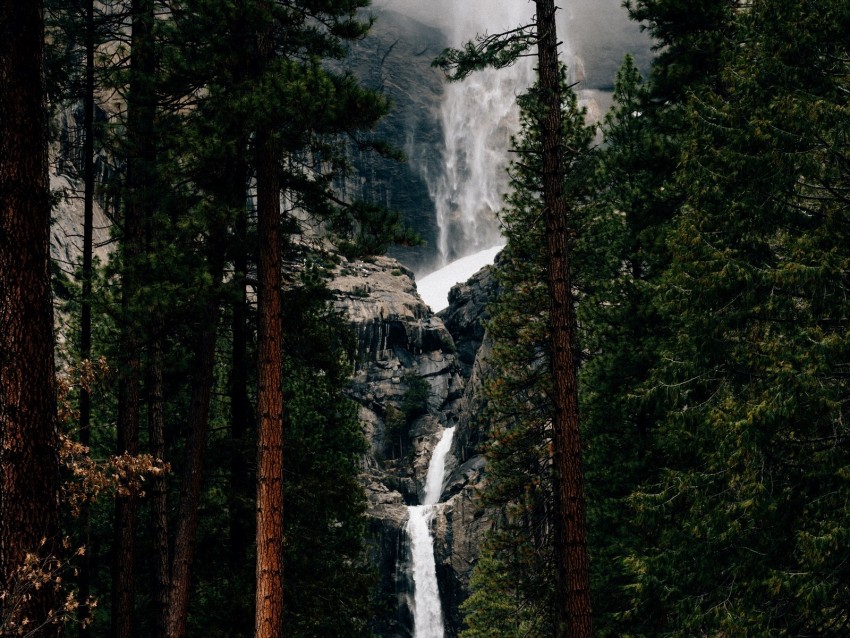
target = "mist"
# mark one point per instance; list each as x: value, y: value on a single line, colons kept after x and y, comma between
x: 596, y: 34
x: 461, y: 20
x: 600, y: 33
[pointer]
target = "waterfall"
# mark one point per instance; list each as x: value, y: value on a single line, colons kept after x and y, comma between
x: 478, y: 117
x: 427, y: 609
x: 437, y: 468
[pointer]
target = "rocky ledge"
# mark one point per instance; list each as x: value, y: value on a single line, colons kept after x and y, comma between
x: 411, y: 380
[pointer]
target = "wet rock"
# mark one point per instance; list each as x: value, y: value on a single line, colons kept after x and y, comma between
x: 467, y: 313
x: 399, y: 341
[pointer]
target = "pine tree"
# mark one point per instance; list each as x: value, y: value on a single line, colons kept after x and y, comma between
x: 755, y: 299
x: 29, y: 478
x: 324, y: 549
x: 269, y: 618
x: 621, y: 332
x: 572, y: 600
x: 73, y: 31
x: 141, y: 106
x: 688, y: 37
x: 514, y: 585
x: 572, y: 590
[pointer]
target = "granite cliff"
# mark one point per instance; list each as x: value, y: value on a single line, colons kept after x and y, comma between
x: 405, y: 350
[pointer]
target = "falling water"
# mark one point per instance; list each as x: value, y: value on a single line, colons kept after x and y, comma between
x: 478, y: 117
x: 427, y: 609
x: 437, y: 468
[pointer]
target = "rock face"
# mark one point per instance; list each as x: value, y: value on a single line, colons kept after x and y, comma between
x: 461, y: 527
x: 467, y: 312
x: 66, y: 228
x: 411, y: 381
x: 395, y: 59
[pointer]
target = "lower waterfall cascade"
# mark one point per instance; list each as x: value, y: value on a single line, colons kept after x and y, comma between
x: 427, y: 608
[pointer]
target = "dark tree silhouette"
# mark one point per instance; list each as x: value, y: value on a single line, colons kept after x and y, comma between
x: 29, y: 506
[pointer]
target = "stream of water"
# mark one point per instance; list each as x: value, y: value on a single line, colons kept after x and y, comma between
x: 427, y: 608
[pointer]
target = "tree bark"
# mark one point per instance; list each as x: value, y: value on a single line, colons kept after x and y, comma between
x: 573, y: 611
x: 159, y: 491
x: 86, y: 301
x: 88, y: 218
x: 269, y: 598
x: 192, y: 480
x: 140, y: 124
x: 29, y: 474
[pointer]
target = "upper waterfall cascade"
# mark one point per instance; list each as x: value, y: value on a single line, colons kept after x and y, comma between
x: 477, y: 117
x: 427, y: 608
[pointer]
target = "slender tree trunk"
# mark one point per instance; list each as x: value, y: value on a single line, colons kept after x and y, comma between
x: 85, y: 318
x: 573, y: 611
x: 88, y: 219
x: 269, y: 600
x: 192, y: 480
x: 240, y: 409
x: 140, y: 118
x: 29, y: 474
x: 159, y: 492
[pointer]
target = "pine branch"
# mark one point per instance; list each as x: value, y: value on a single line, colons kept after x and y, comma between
x: 497, y: 50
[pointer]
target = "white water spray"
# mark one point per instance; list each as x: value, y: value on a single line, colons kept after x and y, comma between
x: 427, y: 609
x: 478, y: 117
x: 437, y: 468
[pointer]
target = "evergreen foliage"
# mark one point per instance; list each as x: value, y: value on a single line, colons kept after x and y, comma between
x: 187, y: 93
x: 751, y: 452
x: 619, y: 330
x: 328, y: 582
x: 714, y: 330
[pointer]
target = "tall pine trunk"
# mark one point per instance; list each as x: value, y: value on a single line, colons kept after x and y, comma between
x: 159, y: 490
x: 140, y: 125
x: 203, y: 381
x: 269, y: 597
x: 572, y: 605
x: 86, y: 305
x: 29, y: 474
